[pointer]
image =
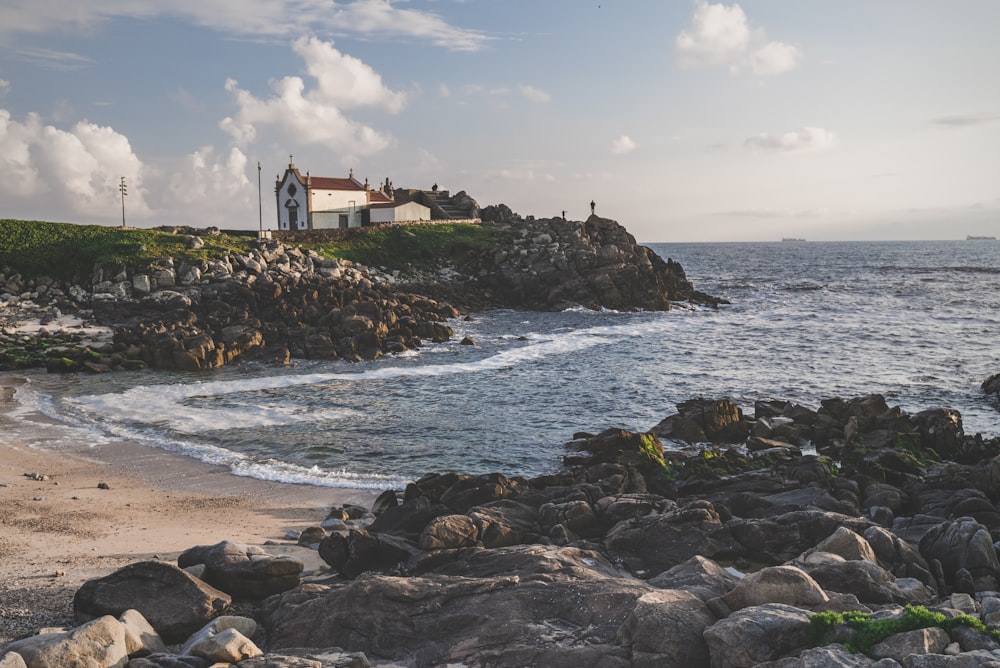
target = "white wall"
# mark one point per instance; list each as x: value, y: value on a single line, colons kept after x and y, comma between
x: 407, y: 211
x: 332, y: 203
x: 285, y: 193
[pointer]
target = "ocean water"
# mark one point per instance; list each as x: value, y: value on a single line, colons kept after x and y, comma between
x: 915, y: 321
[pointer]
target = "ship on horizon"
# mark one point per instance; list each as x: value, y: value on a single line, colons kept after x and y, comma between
x: 973, y: 237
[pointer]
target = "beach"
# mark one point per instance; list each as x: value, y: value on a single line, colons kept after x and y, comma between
x: 58, y: 528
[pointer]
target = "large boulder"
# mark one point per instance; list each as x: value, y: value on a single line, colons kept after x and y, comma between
x: 652, y: 544
x: 175, y: 603
x: 246, y: 572
x: 699, y: 576
x: 666, y: 628
x: 755, y: 635
x: 436, y: 620
x: 99, y: 643
x: 777, y: 584
x: 362, y: 552
x: 963, y: 544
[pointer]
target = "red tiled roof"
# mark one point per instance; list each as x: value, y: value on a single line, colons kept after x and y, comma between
x: 379, y: 196
x: 328, y: 183
x: 387, y: 205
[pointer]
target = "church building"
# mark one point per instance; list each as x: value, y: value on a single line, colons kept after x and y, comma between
x: 320, y: 202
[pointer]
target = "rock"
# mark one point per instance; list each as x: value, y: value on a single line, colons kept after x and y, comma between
x: 310, y: 536
x: 244, y: 625
x: 778, y: 584
x: 699, y: 576
x: 868, y: 581
x: 12, y: 660
x: 532, y: 561
x: 226, y: 646
x: 755, y: 635
x: 449, y: 532
x: 140, y: 637
x: 963, y: 544
x: 168, y: 661
x: 361, y: 551
x: 505, y: 522
x: 310, y: 658
x: 172, y: 601
x: 245, y: 572
x: 655, y: 543
x: 847, y: 544
x: 665, y: 628
x: 100, y: 642
x: 931, y: 640
x: 435, y: 620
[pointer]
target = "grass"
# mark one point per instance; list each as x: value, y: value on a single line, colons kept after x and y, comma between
x: 860, y: 633
x: 69, y: 252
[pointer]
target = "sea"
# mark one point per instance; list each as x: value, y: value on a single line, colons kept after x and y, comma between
x: 918, y: 322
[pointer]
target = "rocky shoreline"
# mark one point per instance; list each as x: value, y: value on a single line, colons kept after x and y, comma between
x: 279, y: 302
x: 853, y: 534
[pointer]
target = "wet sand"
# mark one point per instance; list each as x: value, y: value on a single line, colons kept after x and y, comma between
x: 57, y: 532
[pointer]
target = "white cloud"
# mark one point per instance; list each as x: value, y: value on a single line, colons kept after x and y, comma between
x: 317, y: 116
x: 62, y: 61
x: 373, y: 19
x: 213, y: 186
x: 623, y: 145
x: 77, y: 171
x: 4, y: 87
x: 806, y: 139
x: 721, y: 36
x: 535, y: 94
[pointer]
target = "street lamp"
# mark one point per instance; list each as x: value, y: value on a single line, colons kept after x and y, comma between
x: 124, y: 191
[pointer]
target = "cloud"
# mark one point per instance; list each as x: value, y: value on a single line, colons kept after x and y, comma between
x: 4, y: 87
x: 806, y: 139
x: 370, y: 19
x: 317, y: 116
x: 77, y: 171
x: 721, y: 36
x: 62, y: 61
x: 623, y: 145
x: 535, y: 94
x: 210, y: 186
x: 965, y: 120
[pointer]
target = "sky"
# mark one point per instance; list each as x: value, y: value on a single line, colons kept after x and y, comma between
x: 684, y: 120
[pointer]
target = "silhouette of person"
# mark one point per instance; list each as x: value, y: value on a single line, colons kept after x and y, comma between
x: 564, y: 214
x: 592, y: 205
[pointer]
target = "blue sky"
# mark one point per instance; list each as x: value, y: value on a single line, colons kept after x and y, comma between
x: 685, y: 120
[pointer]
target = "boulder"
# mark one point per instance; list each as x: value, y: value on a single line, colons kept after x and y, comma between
x: 436, y: 620
x: 140, y: 637
x: 548, y: 561
x: 868, y: 581
x: 777, y: 584
x: 246, y: 572
x: 847, y: 544
x: 666, y: 628
x: 449, y: 532
x: 360, y: 552
x: 652, y: 544
x: 99, y: 643
x: 699, y: 576
x: 174, y: 603
x: 226, y: 646
x: 755, y: 635
x: 505, y: 522
x: 963, y: 544
x: 931, y: 640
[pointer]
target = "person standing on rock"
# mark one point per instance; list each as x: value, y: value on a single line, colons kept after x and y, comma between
x: 592, y: 205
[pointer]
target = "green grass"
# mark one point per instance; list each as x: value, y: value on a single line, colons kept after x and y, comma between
x: 418, y: 246
x: 860, y: 633
x: 69, y: 252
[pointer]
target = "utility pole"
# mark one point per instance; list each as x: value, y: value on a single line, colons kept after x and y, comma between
x: 124, y: 191
x: 260, y: 206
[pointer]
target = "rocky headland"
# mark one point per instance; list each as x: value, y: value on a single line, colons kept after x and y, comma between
x: 852, y: 534
x: 278, y: 302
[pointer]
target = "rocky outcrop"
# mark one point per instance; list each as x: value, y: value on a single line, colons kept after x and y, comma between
x: 555, y: 263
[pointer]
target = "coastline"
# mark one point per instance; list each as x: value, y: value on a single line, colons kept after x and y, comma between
x: 58, y: 532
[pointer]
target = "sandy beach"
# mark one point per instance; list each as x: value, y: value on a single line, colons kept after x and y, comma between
x: 58, y: 528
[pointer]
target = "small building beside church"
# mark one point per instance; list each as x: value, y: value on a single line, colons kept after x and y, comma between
x: 320, y: 202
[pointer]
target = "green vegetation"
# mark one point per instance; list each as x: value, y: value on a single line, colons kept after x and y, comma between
x: 69, y: 252
x: 66, y: 251
x: 417, y: 246
x: 649, y: 446
x: 860, y: 633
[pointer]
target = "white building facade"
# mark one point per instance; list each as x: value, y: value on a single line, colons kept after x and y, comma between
x: 319, y: 202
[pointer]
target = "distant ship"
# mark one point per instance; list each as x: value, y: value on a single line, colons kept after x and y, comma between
x: 788, y: 239
x: 975, y: 238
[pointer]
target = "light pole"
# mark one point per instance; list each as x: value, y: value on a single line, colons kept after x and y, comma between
x: 260, y: 206
x: 124, y: 191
